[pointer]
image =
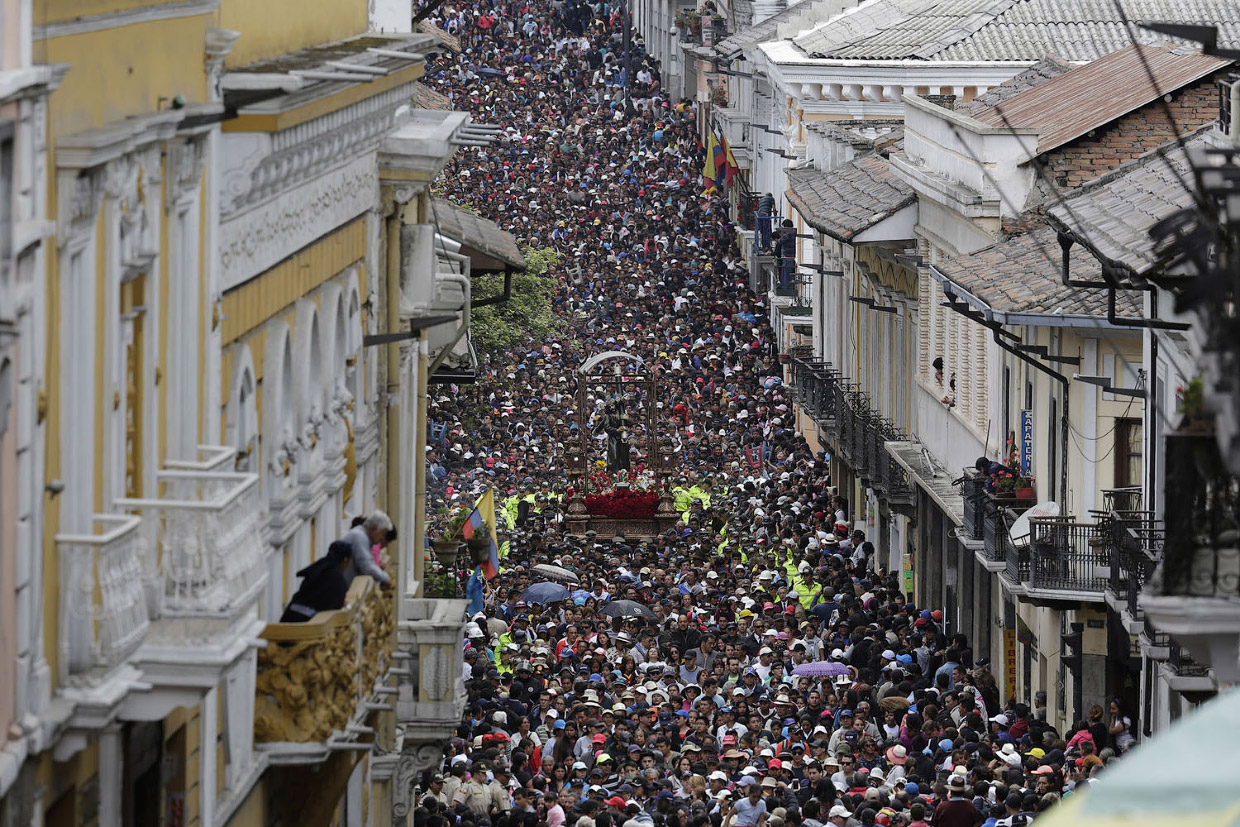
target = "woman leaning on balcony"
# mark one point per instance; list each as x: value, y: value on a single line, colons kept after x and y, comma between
x: 323, y: 587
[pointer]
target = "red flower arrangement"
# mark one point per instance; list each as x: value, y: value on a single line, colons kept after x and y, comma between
x: 623, y: 504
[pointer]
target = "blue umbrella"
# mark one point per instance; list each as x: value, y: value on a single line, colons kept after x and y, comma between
x: 820, y: 669
x: 545, y: 592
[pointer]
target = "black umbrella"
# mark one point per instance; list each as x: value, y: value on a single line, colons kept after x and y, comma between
x: 628, y: 608
x: 544, y: 592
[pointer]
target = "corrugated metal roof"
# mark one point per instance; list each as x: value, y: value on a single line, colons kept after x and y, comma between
x: 850, y: 198
x: 1074, y: 30
x: 1112, y: 215
x: 1070, y: 105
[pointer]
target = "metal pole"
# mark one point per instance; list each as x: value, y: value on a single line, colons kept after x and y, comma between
x: 628, y: 42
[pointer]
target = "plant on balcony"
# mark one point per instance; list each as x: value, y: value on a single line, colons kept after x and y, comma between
x: 719, y: 97
x: 689, y: 21
x: 443, y: 583
x: 1194, y: 418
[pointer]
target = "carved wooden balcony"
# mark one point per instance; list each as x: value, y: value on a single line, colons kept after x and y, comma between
x: 316, y: 679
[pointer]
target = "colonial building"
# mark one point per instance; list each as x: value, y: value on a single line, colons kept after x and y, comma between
x: 950, y: 321
x: 221, y: 303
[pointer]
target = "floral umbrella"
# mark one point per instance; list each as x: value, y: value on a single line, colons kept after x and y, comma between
x: 556, y: 573
x: 821, y: 669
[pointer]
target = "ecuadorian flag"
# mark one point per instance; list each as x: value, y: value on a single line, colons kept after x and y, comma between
x: 710, y: 169
x: 484, y: 515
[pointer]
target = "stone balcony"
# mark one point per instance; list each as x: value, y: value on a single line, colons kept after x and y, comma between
x: 204, y: 571
x: 431, y: 692
x: 104, y: 618
x: 319, y: 682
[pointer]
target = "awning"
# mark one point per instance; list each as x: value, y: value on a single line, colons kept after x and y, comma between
x: 929, y: 476
x: 488, y: 247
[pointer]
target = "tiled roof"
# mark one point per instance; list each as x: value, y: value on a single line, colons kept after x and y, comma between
x: 1022, y: 275
x: 758, y: 32
x: 1066, y: 107
x: 850, y: 198
x: 1112, y: 215
x: 425, y: 97
x: 1074, y: 30
x: 1035, y: 75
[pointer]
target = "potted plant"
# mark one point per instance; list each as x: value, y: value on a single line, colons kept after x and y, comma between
x: 1194, y: 418
x: 1003, y: 485
x: 442, y: 583
x: 447, y: 543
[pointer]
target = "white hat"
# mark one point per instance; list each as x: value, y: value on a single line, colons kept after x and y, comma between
x: 888, y: 655
x: 719, y: 775
x: 839, y: 811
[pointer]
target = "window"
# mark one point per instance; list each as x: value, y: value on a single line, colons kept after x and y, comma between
x: 1128, y: 453
x: 6, y: 206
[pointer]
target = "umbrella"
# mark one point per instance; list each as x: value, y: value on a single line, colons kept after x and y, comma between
x: 557, y: 574
x: 628, y: 608
x: 544, y: 592
x: 820, y: 669
x: 487, y: 70
x: 1188, y: 774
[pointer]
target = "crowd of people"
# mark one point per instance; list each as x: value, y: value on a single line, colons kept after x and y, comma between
x: 766, y: 668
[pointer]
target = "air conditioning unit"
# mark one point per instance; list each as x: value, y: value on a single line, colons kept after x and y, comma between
x: 425, y: 288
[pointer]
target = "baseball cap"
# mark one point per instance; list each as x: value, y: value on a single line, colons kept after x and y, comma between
x: 839, y: 811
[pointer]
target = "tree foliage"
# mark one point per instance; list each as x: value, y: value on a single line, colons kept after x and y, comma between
x: 527, y: 318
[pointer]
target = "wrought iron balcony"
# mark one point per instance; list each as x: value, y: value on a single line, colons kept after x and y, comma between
x: 973, y: 494
x: 1067, y: 556
x: 103, y: 611
x: 318, y: 681
x: 1182, y: 663
x: 1135, y: 539
x: 1123, y: 499
x: 815, y: 383
x: 1202, y: 557
x: 893, y: 479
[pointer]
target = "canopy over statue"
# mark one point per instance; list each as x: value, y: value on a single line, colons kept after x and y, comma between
x: 618, y: 416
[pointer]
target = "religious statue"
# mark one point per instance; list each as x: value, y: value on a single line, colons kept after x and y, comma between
x: 616, y: 422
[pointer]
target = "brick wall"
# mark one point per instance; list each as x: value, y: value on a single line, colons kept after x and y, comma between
x: 1133, y: 135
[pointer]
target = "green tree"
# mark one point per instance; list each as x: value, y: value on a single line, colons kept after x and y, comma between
x: 527, y: 318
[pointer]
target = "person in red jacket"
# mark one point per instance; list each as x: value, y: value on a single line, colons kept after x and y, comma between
x: 956, y: 811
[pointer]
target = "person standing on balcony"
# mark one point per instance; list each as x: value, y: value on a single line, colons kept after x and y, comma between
x: 377, y: 529
x: 324, y: 585
x: 766, y: 209
x: 990, y: 469
x: 786, y: 251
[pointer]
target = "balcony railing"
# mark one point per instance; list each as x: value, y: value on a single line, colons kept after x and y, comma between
x: 207, y: 556
x: 1066, y: 555
x: 315, y: 678
x: 1202, y: 556
x: 973, y: 496
x: 103, y: 612
x: 815, y: 383
x: 1123, y: 499
x: 1136, y: 542
x: 1182, y: 663
x: 895, y: 482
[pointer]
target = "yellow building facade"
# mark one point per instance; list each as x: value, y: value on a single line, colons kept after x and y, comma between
x: 219, y: 335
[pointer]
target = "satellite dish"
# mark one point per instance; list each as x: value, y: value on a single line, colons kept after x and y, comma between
x: 1021, y: 529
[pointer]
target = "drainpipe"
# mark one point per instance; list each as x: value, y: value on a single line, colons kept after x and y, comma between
x: 1063, y: 383
x: 419, y: 469
x: 392, y: 483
